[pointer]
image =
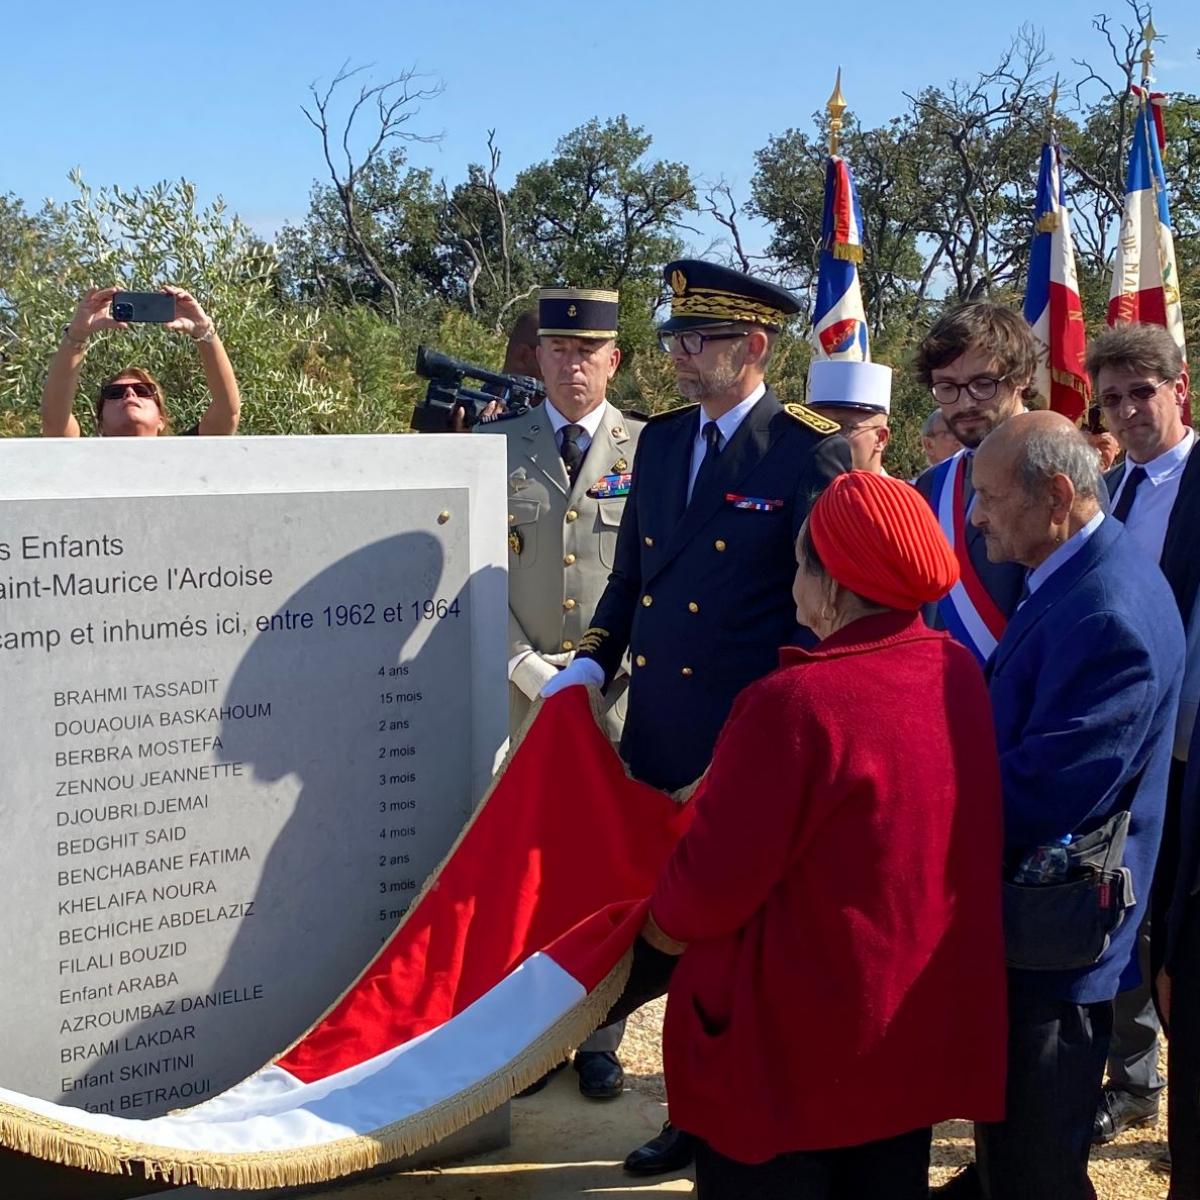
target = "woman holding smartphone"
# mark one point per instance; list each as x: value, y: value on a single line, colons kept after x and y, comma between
x: 131, y: 403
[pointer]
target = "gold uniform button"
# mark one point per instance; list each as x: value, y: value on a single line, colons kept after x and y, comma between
x: 640, y: 660
x: 686, y: 671
x: 568, y: 605
x: 647, y: 601
x: 568, y: 560
x: 571, y: 514
x: 568, y: 644
x: 720, y: 545
x: 648, y: 540
x: 693, y: 606
x: 512, y: 518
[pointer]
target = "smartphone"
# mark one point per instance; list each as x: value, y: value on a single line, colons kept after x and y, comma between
x: 144, y: 307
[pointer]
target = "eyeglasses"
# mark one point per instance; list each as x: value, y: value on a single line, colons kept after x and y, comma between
x: 982, y: 387
x: 114, y: 391
x: 1139, y: 394
x: 691, y: 343
x: 862, y: 427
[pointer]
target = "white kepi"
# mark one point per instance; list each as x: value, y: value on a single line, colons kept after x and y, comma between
x: 839, y: 383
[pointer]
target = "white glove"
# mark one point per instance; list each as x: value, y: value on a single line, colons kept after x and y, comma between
x: 581, y: 671
x: 530, y: 672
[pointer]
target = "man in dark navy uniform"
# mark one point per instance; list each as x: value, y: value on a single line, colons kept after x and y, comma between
x: 700, y: 592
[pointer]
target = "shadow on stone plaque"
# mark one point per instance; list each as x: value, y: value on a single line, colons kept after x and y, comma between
x: 341, y: 870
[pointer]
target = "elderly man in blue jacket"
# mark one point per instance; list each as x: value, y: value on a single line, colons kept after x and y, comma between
x: 1084, y: 684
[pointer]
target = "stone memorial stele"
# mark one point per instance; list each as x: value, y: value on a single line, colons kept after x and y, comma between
x: 251, y: 689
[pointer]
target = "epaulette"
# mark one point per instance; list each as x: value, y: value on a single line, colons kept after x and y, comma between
x: 811, y: 419
x: 673, y: 412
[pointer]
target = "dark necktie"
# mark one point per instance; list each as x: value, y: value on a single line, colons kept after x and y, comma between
x: 1025, y: 591
x: 708, y: 465
x: 572, y: 452
x: 1125, y: 503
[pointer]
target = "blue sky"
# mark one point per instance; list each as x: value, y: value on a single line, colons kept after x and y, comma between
x: 133, y: 92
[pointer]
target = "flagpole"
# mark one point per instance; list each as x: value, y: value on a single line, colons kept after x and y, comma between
x: 1149, y: 36
x: 839, y: 320
x: 836, y: 106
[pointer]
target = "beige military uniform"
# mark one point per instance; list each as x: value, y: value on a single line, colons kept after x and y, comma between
x: 561, y: 541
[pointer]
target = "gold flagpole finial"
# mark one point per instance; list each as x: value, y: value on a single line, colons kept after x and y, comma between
x: 836, y: 106
x: 1050, y: 113
x: 1149, y: 36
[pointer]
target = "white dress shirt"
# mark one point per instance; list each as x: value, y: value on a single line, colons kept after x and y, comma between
x: 1154, y: 499
x: 590, y: 424
x: 726, y: 425
x: 1063, y: 554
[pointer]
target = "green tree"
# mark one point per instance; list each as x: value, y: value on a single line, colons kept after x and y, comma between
x: 600, y: 213
x: 399, y: 217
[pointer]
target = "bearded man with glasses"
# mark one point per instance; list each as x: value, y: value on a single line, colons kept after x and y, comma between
x: 131, y: 403
x: 700, y: 592
x: 978, y: 361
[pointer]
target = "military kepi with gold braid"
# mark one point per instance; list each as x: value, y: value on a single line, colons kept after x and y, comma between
x: 577, y: 312
x: 704, y: 293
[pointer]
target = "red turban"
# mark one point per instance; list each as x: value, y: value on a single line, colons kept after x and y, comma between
x: 878, y: 537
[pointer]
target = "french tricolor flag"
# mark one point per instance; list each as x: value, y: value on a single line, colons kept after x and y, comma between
x: 1145, y: 285
x: 839, y: 319
x: 1052, y: 305
x: 509, y: 958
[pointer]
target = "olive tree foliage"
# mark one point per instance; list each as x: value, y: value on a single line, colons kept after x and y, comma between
x: 140, y: 239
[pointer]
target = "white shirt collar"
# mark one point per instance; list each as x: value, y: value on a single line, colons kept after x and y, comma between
x: 1166, y: 464
x: 1063, y: 554
x: 590, y: 423
x: 729, y: 422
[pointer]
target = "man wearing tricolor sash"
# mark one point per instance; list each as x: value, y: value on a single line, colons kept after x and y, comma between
x: 978, y: 360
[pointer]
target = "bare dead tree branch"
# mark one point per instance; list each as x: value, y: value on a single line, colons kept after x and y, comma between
x: 723, y: 208
x: 396, y: 103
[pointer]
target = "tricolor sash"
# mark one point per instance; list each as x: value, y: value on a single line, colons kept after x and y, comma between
x: 967, y: 611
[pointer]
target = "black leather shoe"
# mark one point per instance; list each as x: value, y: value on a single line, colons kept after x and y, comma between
x: 964, y: 1186
x: 537, y: 1085
x: 600, y: 1074
x: 1120, y: 1110
x: 672, y: 1150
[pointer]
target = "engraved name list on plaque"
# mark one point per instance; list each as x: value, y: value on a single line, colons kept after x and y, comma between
x: 251, y: 690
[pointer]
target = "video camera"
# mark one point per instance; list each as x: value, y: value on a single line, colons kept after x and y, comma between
x: 446, y: 392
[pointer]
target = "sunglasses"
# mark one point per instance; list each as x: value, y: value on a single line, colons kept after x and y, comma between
x: 114, y: 391
x: 1139, y: 394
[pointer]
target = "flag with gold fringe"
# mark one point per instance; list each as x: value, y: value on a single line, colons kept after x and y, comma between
x: 839, y: 318
x: 508, y: 959
x: 1052, y: 305
x: 1145, y: 283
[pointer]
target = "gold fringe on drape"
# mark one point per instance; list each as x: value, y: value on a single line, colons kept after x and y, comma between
x: 72, y: 1145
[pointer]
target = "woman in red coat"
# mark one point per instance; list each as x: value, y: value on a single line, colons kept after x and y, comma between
x: 837, y: 897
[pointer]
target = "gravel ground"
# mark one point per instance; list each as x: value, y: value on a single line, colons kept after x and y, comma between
x: 1121, y: 1170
